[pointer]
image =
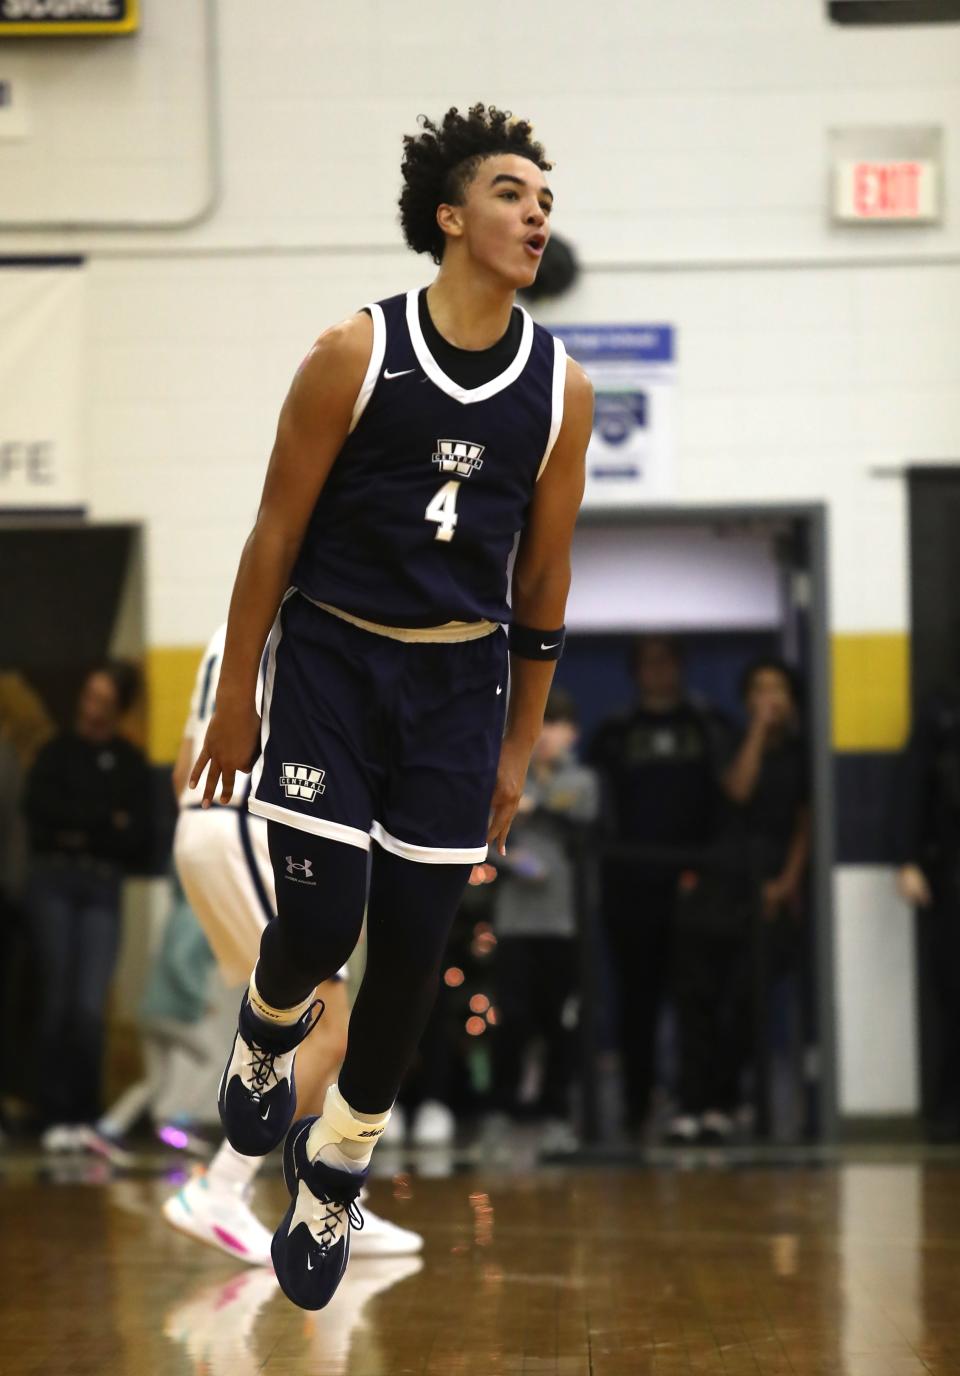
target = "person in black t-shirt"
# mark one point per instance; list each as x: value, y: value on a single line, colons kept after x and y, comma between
x: 659, y: 781
x: 749, y: 891
x: 86, y: 803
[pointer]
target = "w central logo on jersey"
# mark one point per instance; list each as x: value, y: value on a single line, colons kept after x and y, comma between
x: 302, y: 781
x: 458, y: 456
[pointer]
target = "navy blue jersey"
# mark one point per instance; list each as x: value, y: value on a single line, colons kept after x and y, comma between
x: 416, y: 522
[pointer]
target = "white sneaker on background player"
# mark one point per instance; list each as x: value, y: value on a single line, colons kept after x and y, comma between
x: 219, y: 1215
x: 380, y: 1238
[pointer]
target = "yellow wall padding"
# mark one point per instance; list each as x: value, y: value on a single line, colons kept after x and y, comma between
x: 871, y: 691
x: 171, y: 670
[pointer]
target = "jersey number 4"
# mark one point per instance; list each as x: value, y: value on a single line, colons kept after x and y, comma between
x: 443, y: 510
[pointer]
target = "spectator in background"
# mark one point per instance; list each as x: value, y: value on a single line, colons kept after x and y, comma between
x: 12, y: 844
x: 87, y: 805
x: 24, y: 720
x: 11, y: 875
x: 927, y: 843
x: 172, y: 1010
x: 751, y: 891
x: 24, y: 727
x: 535, y: 920
x: 658, y: 772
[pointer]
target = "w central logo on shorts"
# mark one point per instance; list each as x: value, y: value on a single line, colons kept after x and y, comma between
x: 302, y: 781
x: 458, y: 456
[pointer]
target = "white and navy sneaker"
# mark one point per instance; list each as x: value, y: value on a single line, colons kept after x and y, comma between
x: 258, y: 1095
x: 311, y: 1247
x: 221, y: 1217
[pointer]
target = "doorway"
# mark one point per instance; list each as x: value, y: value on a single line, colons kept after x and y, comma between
x: 730, y: 585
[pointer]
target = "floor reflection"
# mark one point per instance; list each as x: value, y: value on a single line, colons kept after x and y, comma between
x: 846, y: 1268
x: 216, y: 1324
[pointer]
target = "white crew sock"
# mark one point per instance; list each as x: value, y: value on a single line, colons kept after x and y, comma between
x: 229, y: 1170
x: 281, y: 1017
x: 342, y: 1137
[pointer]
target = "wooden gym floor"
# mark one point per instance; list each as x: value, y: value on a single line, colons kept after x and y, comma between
x: 741, y: 1269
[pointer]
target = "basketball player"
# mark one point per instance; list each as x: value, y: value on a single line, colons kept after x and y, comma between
x: 224, y: 866
x: 418, y: 439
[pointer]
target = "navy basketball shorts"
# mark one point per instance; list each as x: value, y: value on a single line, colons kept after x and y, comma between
x: 365, y: 736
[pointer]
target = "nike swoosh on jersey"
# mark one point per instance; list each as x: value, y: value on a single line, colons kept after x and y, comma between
x: 403, y: 373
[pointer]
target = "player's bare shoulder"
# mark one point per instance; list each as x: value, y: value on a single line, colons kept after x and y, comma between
x: 323, y: 391
x: 339, y: 358
x: 577, y: 391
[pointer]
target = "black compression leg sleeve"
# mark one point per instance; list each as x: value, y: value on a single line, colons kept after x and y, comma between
x: 321, y: 886
x: 411, y: 909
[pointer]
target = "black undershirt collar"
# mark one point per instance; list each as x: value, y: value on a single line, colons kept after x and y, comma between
x: 471, y: 367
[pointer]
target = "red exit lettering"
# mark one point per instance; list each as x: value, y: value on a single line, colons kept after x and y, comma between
x: 885, y: 189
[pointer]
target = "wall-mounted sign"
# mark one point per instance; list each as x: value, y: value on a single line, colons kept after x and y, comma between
x: 632, y: 367
x: 53, y: 18
x: 41, y: 351
x: 869, y: 190
x: 884, y: 176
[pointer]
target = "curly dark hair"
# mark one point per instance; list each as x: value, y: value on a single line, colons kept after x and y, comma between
x: 440, y: 162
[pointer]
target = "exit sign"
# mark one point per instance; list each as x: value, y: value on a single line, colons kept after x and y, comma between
x: 875, y: 191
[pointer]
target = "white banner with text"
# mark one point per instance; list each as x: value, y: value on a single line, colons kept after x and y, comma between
x: 41, y: 355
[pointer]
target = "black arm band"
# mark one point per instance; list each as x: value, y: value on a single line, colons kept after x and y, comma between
x: 531, y: 644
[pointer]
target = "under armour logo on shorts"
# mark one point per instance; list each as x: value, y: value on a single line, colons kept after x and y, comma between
x: 302, y: 781
x: 293, y: 865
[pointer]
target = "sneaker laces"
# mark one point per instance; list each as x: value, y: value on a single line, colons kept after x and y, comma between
x: 263, y: 1061
x: 328, y: 1217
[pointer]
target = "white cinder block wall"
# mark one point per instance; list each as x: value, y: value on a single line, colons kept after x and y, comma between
x: 691, y: 150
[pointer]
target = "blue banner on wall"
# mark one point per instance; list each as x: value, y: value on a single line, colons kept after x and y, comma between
x: 633, y: 371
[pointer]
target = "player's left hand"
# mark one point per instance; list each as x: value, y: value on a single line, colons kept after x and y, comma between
x: 482, y: 874
x: 511, y: 774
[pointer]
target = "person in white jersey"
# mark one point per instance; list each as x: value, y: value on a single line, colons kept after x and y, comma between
x: 224, y: 865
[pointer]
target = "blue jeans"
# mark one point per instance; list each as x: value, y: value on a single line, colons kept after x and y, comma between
x: 74, y: 909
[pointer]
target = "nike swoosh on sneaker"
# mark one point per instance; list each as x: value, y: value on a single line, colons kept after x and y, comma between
x: 499, y: 691
x: 309, y: 1263
x: 403, y: 373
x: 265, y: 1115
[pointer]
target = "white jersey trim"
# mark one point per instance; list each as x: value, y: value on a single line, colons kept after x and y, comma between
x: 556, y: 413
x: 373, y: 367
x: 334, y: 831
x: 438, y: 377
x: 427, y: 855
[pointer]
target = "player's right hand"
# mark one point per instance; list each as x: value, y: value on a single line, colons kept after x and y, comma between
x: 230, y: 745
